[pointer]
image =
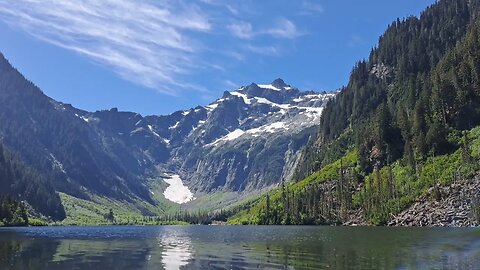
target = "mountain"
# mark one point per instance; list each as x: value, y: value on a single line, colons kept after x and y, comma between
x: 402, y: 132
x: 247, y: 140
x: 398, y: 75
x: 27, y: 185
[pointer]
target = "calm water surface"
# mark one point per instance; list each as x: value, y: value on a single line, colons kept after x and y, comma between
x: 242, y: 247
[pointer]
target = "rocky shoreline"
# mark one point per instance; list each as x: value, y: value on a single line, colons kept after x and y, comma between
x: 454, y: 205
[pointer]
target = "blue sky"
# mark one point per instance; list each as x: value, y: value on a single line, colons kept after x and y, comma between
x: 159, y: 56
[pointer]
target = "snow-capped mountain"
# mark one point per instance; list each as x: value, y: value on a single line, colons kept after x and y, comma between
x: 248, y: 139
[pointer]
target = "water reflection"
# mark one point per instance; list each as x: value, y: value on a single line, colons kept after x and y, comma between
x: 176, y: 250
x: 217, y: 247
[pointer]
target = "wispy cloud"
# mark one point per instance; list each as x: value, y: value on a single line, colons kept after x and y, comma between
x: 241, y: 30
x: 265, y: 50
x: 355, y: 41
x: 311, y: 8
x: 282, y: 29
x: 235, y: 55
x: 164, y: 45
x: 230, y: 84
x: 223, y: 4
x: 144, y: 42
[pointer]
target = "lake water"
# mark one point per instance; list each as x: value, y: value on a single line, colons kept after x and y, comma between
x: 239, y: 247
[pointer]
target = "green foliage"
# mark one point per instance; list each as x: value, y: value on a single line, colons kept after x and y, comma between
x: 389, y: 190
x: 407, y: 110
x: 419, y: 83
x: 327, y: 196
x: 306, y: 201
x: 106, y: 211
x: 12, y: 212
x: 36, y: 222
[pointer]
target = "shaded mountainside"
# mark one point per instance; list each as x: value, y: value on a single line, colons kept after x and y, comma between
x: 249, y: 139
x: 49, y: 137
x: 401, y: 126
x: 26, y: 184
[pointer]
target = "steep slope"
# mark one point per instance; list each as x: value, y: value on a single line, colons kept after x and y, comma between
x: 397, y: 80
x: 247, y: 140
x: 49, y: 137
x: 401, y: 129
x: 250, y: 138
x: 26, y: 184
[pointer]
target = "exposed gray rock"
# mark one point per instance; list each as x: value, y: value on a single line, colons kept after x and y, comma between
x: 451, y: 206
x: 247, y: 140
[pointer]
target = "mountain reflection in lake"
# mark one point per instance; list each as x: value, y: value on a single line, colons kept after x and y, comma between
x: 238, y: 247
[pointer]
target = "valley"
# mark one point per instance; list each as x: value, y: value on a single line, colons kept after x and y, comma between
x: 398, y: 137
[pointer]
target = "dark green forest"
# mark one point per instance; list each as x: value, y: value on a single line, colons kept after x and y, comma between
x: 26, y: 184
x: 404, y: 123
x: 12, y: 212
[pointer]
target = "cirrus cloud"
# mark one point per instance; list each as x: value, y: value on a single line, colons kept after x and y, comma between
x: 282, y: 29
x: 144, y: 42
x: 158, y: 44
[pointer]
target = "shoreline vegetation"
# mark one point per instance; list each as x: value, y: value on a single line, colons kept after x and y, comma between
x: 443, y: 191
x: 399, y: 145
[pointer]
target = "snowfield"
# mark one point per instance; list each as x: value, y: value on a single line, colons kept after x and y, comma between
x: 177, y: 192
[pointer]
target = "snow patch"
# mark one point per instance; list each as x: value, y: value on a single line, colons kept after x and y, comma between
x: 270, y: 128
x: 153, y: 131
x: 212, y: 106
x: 174, y: 126
x: 57, y: 164
x: 268, y: 86
x: 177, y: 192
x: 229, y: 137
x: 245, y: 98
x: 233, y: 135
x: 140, y: 129
x: 299, y: 99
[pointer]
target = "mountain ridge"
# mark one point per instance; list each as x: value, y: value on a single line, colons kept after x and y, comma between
x: 401, y: 138
x: 113, y: 153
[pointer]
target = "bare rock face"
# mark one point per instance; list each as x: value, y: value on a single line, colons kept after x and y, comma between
x: 382, y: 71
x: 247, y: 140
x: 455, y: 205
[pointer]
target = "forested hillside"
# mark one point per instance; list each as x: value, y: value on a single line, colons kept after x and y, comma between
x: 400, y: 126
x: 26, y: 184
x: 247, y: 140
x: 12, y: 212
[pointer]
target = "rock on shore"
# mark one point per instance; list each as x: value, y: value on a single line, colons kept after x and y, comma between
x: 443, y: 206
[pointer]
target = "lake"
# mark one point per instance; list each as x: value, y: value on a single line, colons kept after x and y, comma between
x: 239, y: 247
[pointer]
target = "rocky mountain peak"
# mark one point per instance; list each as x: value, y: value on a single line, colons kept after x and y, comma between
x: 279, y: 83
